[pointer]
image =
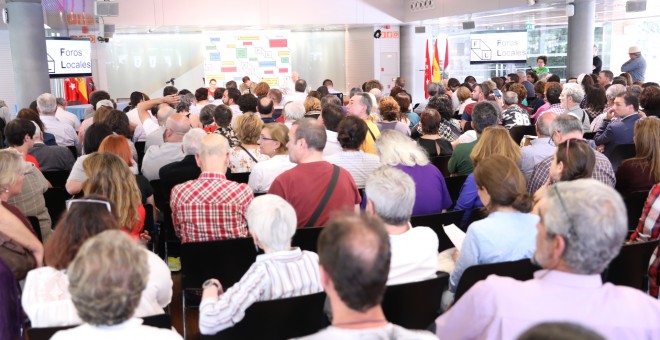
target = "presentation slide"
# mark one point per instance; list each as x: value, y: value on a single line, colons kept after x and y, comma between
x: 260, y: 55
x: 69, y: 57
x: 498, y: 47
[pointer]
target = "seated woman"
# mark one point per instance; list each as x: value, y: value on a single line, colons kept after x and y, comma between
x: 403, y: 153
x: 109, y: 176
x: 351, y: 133
x: 107, y: 281
x: 509, y: 231
x: 97, y: 132
x: 430, y: 140
x: 403, y: 99
x: 46, y: 300
x: 281, y: 272
x: 312, y: 107
x: 222, y: 116
x: 272, y: 142
x: 247, y: 152
x: 392, y: 117
x: 495, y: 140
x: 642, y: 171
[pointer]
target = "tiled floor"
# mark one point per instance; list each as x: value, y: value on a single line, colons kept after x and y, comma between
x: 176, y: 312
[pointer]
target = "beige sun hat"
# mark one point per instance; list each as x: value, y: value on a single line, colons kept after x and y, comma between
x: 634, y: 49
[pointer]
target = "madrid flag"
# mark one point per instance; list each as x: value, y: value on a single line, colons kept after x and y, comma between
x: 427, y: 70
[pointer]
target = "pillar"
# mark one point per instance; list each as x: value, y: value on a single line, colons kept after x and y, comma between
x: 28, y: 49
x: 581, y: 38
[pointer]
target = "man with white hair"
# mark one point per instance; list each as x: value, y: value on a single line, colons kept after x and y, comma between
x: 391, y: 196
x: 281, y: 272
x: 210, y: 207
x: 636, y: 65
x: 292, y: 112
x: 582, y: 226
x: 50, y: 157
x: 571, y: 96
x: 513, y: 114
x: 540, y: 148
x: 185, y: 169
x: 360, y: 105
x: 170, y: 151
x: 66, y: 116
x: 65, y: 134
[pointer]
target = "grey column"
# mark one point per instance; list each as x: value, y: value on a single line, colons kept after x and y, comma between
x: 581, y: 38
x: 407, y: 58
x: 28, y: 49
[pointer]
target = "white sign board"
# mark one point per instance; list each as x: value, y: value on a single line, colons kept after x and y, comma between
x: 498, y: 47
x: 69, y: 57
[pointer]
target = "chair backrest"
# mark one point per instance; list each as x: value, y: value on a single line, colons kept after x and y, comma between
x: 56, y: 202
x: 57, y: 178
x: 240, y: 177
x: 74, y: 151
x: 454, y: 185
x: 279, y: 319
x: 436, y: 223
x: 442, y: 163
x: 620, y: 153
x: 520, y: 270
x: 45, y: 333
x: 225, y: 260
x: 630, y: 267
x: 306, y: 238
x: 159, y: 321
x: 635, y: 206
x: 159, y: 195
x: 139, y: 147
x: 34, y: 221
x: 589, y: 135
x: 518, y: 132
x: 415, y: 305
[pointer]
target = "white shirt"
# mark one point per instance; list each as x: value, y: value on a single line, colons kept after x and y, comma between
x: 235, y: 112
x: 67, y: 117
x: 128, y: 330
x: 264, y: 173
x: 159, y: 155
x: 467, y: 137
x: 389, y: 331
x: 358, y: 163
x: 414, y: 256
x: 47, y: 302
x: 65, y: 135
x: 155, y: 138
x: 331, y: 145
x: 134, y: 118
x: 295, y: 97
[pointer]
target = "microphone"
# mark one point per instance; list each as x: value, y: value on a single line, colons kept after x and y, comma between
x: 171, y: 81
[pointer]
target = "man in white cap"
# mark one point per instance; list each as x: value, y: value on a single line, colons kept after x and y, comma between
x: 636, y: 66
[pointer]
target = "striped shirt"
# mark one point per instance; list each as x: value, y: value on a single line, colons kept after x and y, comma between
x: 602, y: 172
x: 648, y: 229
x: 210, y: 208
x: 276, y: 275
x: 358, y: 163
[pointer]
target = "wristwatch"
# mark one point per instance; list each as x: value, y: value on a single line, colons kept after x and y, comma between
x: 211, y: 282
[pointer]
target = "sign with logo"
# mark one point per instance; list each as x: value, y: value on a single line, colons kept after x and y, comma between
x: 498, y: 47
x: 69, y: 57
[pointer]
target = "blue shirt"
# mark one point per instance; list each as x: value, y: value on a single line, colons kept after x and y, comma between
x: 636, y: 67
x: 500, y: 237
x: 468, y: 198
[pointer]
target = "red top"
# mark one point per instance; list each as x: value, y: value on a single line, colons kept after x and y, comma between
x: 31, y: 159
x: 137, y: 230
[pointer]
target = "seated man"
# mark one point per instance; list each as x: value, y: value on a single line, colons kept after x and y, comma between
x: 354, y: 254
x: 50, y: 157
x: 540, y: 148
x: 185, y: 169
x: 169, y: 152
x: 281, y: 272
x: 305, y: 186
x: 391, y: 196
x: 65, y: 134
x: 610, y: 134
x: 583, y: 223
x: 210, y: 207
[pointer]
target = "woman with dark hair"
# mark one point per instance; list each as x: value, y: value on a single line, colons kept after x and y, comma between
x: 642, y: 171
x: 351, y: 133
x: 390, y: 112
x: 46, y: 300
x: 201, y: 100
x: 29, y: 114
x: 649, y: 101
x: 595, y: 100
x: 97, y: 132
x: 430, y: 140
x: 403, y: 99
x: 449, y: 127
x: 574, y: 159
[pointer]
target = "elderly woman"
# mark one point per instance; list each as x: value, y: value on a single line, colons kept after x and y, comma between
x: 281, y: 272
x: 430, y: 140
x: 261, y: 89
x: 247, y: 153
x: 20, y: 249
x: 272, y: 142
x: 312, y: 107
x: 403, y: 153
x: 611, y: 93
x: 642, y: 171
x: 449, y: 127
x: 46, y: 300
x: 107, y: 281
x: 293, y: 111
x: 392, y: 116
x: 351, y: 133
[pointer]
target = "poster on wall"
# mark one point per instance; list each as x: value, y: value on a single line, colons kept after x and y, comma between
x: 261, y: 55
x: 498, y: 47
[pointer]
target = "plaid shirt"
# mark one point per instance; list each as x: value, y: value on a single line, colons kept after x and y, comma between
x: 210, y: 208
x: 648, y: 229
x: 602, y: 171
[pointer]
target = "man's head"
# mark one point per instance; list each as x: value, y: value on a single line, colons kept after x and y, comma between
x: 222, y: 115
x: 634, y: 52
x: 484, y: 114
x: 552, y: 93
x: 605, y: 77
x: 47, y: 104
x: 247, y: 103
x: 510, y: 98
x: 276, y: 96
x: 354, y: 258
x: 565, y: 127
x: 625, y: 104
x: 246, y: 80
x: 20, y: 132
x: 359, y: 105
x: 201, y: 94
x: 328, y: 83
x: 543, y: 123
x: 433, y: 89
x: 570, y: 213
x: 331, y: 115
x: 175, y: 127
x: 512, y: 78
x: 294, y: 76
x: 400, y: 82
x: 272, y: 222
x: 231, y: 85
x: 169, y: 90
x: 213, y: 153
x: 571, y: 95
x: 192, y: 141
x: 61, y: 102
x: 212, y: 84
x: 306, y: 137
x: 294, y: 111
x: 470, y: 80
x: 231, y: 96
x: 265, y: 106
x: 330, y: 99
x: 391, y: 195
x: 481, y: 92
x: 300, y: 85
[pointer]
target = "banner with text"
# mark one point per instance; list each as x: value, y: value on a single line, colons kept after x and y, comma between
x: 498, y: 47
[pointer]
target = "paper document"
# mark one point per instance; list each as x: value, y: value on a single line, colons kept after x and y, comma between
x: 456, y: 235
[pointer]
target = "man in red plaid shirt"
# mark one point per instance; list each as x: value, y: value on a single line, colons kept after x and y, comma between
x: 210, y: 207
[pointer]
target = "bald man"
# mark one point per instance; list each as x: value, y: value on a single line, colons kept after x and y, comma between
x: 210, y: 207
x: 170, y: 151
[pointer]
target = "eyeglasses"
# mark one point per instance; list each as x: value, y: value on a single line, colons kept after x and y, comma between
x: 551, y: 142
x: 572, y: 234
x: 86, y: 200
x: 262, y: 137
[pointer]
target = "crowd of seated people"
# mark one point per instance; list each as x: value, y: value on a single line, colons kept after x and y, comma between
x: 318, y: 161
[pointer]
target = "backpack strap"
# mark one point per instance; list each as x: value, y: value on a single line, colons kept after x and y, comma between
x: 325, y: 199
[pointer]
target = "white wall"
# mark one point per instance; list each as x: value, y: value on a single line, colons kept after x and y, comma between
x: 359, y: 56
x: 7, y: 89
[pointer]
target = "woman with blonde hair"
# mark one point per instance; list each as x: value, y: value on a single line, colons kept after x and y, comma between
x: 642, y: 171
x: 247, y: 153
x: 397, y: 150
x: 109, y: 176
x: 392, y: 117
x: 464, y: 98
x: 272, y: 142
x: 495, y: 140
x: 312, y: 107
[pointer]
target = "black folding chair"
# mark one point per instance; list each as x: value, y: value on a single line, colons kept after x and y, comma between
x: 57, y: 178
x: 630, y: 267
x: 415, y: 305
x: 522, y: 270
x: 620, y: 153
x: 635, y: 207
x: 74, y: 151
x: 139, y: 147
x: 436, y: 223
x: 159, y: 321
x: 518, y: 132
x: 279, y: 319
x: 240, y: 177
x: 34, y: 221
x: 306, y: 238
x: 454, y: 185
x: 442, y: 163
x: 56, y: 202
x: 588, y: 135
x: 225, y: 260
